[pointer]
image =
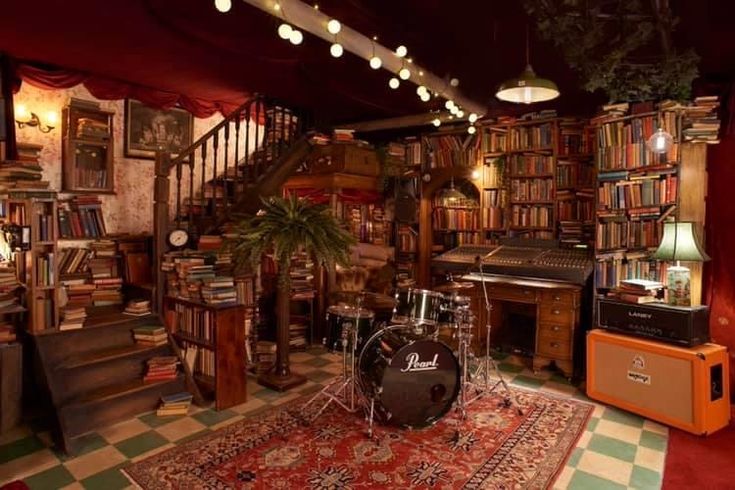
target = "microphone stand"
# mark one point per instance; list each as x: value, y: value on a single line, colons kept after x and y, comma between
x: 484, y: 368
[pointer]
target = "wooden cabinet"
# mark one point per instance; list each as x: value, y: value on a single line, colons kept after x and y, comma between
x: 87, y: 149
x: 553, y: 307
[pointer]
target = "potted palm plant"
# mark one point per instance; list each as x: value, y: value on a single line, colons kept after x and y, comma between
x: 283, y: 227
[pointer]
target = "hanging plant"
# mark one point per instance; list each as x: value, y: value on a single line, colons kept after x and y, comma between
x: 622, y: 47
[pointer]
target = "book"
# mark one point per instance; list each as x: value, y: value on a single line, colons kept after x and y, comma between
x: 641, y: 284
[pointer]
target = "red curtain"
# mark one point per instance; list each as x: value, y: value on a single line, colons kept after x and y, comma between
x: 109, y: 89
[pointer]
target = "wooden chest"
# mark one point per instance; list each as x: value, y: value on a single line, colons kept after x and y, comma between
x: 345, y: 158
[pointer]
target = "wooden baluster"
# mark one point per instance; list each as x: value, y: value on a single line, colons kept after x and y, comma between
x: 258, y: 103
x: 226, y: 182
x: 246, y: 166
x: 191, y: 191
x: 178, y: 195
x: 237, y: 155
x: 215, y: 180
x: 204, y: 167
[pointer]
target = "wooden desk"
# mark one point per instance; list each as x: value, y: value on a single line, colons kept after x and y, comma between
x: 557, y: 315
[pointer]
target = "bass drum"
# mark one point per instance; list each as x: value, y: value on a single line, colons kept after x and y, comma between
x: 412, y: 381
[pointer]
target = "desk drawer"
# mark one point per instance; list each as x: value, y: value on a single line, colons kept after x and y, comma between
x: 553, y: 348
x: 555, y: 331
x: 521, y: 295
x: 552, y: 297
x: 558, y: 314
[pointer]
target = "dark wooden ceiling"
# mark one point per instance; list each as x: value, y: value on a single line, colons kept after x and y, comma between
x: 188, y: 47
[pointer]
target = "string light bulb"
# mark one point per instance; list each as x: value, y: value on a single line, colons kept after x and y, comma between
x: 284, y: 31
x: 223, y: 6
x: 459, y: 113
x: 401, y: 51
x: 472, y: 118
x: 404, y: 73
x: 336, y: 50
x: 454, y: 82
x: 475, y: 173
x: 394, y: 83
x: 436, y: 122
x: 449, y: 104
x: 454, y: 110
x: 420, y: 90
x: 472, y: 130
x: 425, y: 96
x: 375, y: 62
x: 296, y: 37
x: 333, y: 26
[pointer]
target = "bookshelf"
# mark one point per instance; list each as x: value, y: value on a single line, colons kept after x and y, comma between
x: 87, y: 148
x: 638, y: 190
x: 212, y: 340
x: 36, y: 262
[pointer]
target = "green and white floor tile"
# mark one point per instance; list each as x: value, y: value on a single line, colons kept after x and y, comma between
x: 617, y: 449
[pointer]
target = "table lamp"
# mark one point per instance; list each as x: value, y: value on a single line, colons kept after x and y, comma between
x: 679, y: 243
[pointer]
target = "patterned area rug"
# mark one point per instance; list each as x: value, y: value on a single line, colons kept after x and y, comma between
x: 496, y: 448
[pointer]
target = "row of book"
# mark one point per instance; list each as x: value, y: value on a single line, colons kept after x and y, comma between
x: 82, y: 217
x: 492, y: 174
x: 576, y: 232
x: 639, y: 193
x: 628, y: 234
x: 453, y: 151
x: 493, y: 198
x: 611, y: 268
x: 45, y: 269
x: 574, y: 209
x: 366, y: 222
x: 531, y: 137
x: 573, y: 140
x: 495, y: 140
x: 530, y: 164
x: 455, y: 219
x: 406, y: 239
x: 74, y: 260
x: 408, y: 152
x: 623, y: 144
x: 201, y: 361
x: 91, y: 178
x: 194, y: 322
x: 301, y: 276
x: 531, y: 190
x: 246, y: 290
x: 16, y: 175
x: 531, y: 216
x: 492, y: 217
x: 569, y: 174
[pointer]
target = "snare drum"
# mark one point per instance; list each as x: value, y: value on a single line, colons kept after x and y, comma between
x: 453, y: 304
x: 340, y: 319
x: 425, y: 306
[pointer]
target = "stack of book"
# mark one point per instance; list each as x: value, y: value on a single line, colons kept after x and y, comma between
x: 21, y: 176
x: 195, y: 277
x: 245, y: 289
x: 302, y: 277
x: 153, y: 335
x: 108, y: 283
x: 343, y: 135
x: 107, y: 291
x: 219, y: 291
x: 160, y: 368
x: 209, y: 242
x: 701, y: 123
x: 138, y: 307
x: 176, y: 404
x: 8, y: 284
x: 73, y: 318
x: 637, y: 291
x: 78, y: 293
x: 265, y: 355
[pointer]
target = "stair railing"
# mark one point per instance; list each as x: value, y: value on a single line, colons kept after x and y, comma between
x: 196, y: 189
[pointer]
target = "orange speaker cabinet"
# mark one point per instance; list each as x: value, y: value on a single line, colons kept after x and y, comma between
x: 687, y: 388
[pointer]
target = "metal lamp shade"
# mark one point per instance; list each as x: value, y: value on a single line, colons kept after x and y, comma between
x: 680, y: 242
x: 527, y: 89
x: 451, y: 196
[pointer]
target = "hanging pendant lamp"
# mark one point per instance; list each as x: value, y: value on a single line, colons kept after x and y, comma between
x: 527, y: 88
x: 451, y: 196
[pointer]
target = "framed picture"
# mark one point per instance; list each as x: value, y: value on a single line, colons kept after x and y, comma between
x: 148, y: 130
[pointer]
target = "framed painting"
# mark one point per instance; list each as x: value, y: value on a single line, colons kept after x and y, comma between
x: 148, y: 130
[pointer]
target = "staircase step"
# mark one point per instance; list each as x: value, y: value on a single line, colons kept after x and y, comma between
x: 109, y: 354
x: 110, y: 392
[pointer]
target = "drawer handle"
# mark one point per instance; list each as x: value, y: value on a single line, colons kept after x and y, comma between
x: 557, y: 298
x: 555, y: 328
x: 556, y: 312
x: 554, y: 344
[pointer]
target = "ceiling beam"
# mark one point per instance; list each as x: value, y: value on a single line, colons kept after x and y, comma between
x: 306, y: 17
x: 399, y: 122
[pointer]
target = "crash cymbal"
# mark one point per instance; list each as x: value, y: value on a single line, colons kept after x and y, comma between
x: 453, y: 286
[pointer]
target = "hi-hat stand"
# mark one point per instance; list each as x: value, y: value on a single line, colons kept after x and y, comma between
x: 342, y: 390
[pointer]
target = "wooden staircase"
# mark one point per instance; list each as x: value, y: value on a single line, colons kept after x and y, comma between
x: 94, y: 375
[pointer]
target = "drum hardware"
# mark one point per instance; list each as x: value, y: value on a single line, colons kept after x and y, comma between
x: 342, y: 390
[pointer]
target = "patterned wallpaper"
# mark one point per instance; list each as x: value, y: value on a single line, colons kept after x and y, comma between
x: 131, y: 208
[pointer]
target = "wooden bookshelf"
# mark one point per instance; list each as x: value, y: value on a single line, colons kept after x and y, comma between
x: 637, y: 191
x: 217, y: 333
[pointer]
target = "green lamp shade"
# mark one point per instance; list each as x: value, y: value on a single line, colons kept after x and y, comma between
x: 527, y: 89
x: 680, y: 242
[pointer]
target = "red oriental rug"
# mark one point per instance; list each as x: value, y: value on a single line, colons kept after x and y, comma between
x: 497, y: 448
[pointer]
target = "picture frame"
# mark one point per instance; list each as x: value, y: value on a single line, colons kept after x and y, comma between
x: 148, y: 130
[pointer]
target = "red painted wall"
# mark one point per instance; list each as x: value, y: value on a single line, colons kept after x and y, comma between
x: 720, y: 239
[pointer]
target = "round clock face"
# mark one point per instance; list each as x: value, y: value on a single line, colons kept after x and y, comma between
x: 178, y: 238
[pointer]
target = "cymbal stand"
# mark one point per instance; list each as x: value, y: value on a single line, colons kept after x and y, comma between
x: 489, y: 364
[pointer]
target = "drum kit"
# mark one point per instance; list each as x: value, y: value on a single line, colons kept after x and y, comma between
x: 401, y: 373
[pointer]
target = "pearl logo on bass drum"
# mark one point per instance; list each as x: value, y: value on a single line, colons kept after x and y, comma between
x: 413, y: 364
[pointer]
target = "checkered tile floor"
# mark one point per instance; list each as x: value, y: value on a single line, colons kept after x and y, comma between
x: 618, y: 450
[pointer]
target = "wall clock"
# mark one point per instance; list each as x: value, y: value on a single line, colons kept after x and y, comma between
x: 178, y: 238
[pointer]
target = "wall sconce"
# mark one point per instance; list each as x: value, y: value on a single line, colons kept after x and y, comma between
x: 24, y: 117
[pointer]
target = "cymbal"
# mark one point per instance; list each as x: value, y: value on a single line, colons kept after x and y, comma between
x: 452, y: 286
x: 369, y: 298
